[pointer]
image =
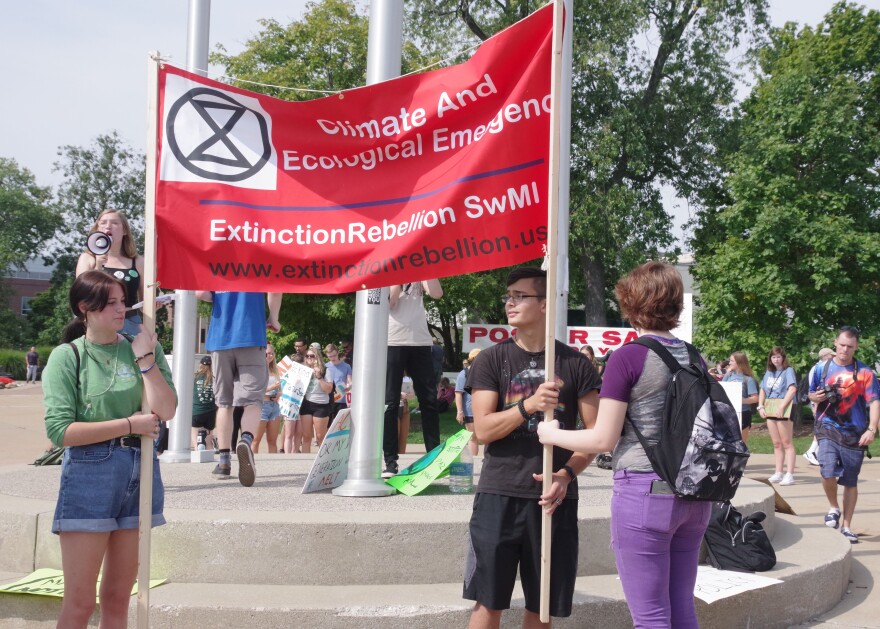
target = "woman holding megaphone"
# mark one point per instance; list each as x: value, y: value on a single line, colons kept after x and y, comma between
x: 111, y: 248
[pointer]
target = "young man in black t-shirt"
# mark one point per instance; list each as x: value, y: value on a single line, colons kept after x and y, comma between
x: 509, y: 396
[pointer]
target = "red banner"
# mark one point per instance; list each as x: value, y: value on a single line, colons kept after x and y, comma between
x: 420, y: 177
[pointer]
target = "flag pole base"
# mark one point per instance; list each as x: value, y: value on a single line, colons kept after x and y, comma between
x: 365, y: 488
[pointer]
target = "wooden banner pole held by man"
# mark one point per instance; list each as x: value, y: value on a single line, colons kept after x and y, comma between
x: 550, y: 331
x: 145, y: 517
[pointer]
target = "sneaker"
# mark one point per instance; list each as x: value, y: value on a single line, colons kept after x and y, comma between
x: 247, y: 471
x: 852, y: 537
x: 788, y: 479
x: 390, y: 469
x: 776, y: 477
x: 811, y: 457
x: 832, y: 519
x: 223, y: 471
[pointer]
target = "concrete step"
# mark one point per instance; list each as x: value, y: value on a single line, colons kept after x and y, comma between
x: 813, y: 563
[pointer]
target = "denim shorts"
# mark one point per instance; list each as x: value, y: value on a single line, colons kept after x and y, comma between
x: 100, y: 490
x: 271, y: 410
x: 837, y: 461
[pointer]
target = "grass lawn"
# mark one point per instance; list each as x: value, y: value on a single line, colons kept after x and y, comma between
x: 760, y: 443
x: 448, y: 425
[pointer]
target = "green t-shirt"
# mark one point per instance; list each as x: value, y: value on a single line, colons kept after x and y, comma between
x: 110, y: 384
x: 203, y: 395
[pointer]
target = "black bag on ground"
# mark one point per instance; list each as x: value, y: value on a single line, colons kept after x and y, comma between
x: 700, y: 454
x: 738, y: 543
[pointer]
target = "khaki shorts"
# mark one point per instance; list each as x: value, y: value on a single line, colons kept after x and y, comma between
x: 240, y: 376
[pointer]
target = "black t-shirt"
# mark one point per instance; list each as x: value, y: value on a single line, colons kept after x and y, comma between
x: 515, y: 374
x: 33, y: 358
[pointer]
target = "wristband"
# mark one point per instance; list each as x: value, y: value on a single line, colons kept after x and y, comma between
x: 144, y: 356
x: 521, y: 405
x: 873, y: 431
x: 128, y: 419
x: 569, y: 471
x: 147, y: 370
x: 760, y: 408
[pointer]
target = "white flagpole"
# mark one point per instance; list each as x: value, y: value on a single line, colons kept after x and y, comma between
x: 562, y: 275
x: 145, y: 518
x: 371, y: 309
x: 550, y: 331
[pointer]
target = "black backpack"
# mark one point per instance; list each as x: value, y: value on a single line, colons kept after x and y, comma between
x: 700, y: 454
x: 738, y: 543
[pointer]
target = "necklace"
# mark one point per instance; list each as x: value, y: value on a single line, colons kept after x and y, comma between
x: 533, y: 356
x: 89, y: 396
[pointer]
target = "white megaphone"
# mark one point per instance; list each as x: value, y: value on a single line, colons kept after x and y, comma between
x: 99, y: 243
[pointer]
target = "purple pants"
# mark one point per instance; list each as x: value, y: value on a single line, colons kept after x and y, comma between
x: 656, y: 541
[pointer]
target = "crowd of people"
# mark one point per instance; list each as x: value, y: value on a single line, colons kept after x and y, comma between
x: 107, y: 368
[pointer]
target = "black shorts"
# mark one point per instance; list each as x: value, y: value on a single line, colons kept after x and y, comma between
x: 747, y: 419
x: 318, y: 411
x: 205, y: 420
x: 505, y: 533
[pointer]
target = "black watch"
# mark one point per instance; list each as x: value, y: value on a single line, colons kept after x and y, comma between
x: 569, y: 471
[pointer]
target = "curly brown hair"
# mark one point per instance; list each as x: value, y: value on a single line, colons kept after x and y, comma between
x: 651, y: 297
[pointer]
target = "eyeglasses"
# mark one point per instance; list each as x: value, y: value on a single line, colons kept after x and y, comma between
x: 517, y: 298
x: 310, y: 356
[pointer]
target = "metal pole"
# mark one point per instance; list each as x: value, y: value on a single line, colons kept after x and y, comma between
x: 562, y: 277
x: 185, y: 319
x: 371, y: 314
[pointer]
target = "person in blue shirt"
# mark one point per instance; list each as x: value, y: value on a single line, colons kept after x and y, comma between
x: 237, y: 342
x: 739, y: 370
x: 779, y: 384
x: 847, y: 399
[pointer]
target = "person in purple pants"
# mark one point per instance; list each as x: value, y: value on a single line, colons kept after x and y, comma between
x: 655, y: 535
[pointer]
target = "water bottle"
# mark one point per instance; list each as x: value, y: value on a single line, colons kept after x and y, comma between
x: 200, y: 439
x: 461, y: 473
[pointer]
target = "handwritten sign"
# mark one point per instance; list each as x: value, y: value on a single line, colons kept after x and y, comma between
x: 713, y: 585
x: 49, y: 582
x: 435, y: 464
x: 330, y: 468
x: 294, y: 383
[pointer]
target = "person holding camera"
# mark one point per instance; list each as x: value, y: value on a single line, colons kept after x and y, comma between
x: 847, y: 399
x: 121, y: 261
x: 774, y: 404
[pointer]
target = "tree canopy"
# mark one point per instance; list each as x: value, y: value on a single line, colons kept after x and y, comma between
x: 796, y: 253
x: 29, y: 218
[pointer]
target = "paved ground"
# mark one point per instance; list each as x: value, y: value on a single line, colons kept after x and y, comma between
x: 22, y: 439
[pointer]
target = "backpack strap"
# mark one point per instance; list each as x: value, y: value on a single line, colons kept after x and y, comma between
x: 673, y: 365
x: 76, y: 356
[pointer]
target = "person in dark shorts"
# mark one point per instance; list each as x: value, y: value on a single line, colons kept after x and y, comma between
x: 509, y: 395
x: 204, y: 410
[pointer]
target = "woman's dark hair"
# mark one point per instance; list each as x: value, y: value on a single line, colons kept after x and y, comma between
x: 92, y: 290
x: 651, y: 297
x: 781, y: 352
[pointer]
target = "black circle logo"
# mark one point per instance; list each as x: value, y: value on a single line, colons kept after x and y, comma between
x: 221, y: 147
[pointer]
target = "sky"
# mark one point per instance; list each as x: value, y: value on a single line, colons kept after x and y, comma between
x: 76, y: 70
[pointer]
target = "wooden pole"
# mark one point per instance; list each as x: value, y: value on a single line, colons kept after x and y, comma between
x: 145, y: 518
x: 550, y: 331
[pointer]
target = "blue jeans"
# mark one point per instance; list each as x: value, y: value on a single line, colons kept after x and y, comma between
x: 100, y: 490
x: 656, y: 541
x: 416, y: 361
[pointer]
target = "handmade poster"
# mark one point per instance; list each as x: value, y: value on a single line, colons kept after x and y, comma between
x: 49, y: 582
x: 713, y: 584
x: 772, y: 406
x: 435, y: 464
x: 293, y: 388
x: 330, y: 468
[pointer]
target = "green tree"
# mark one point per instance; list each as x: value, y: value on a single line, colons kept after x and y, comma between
x: 29, y: 218
x: 797, y: 251
x: 105, y: 174
x: 642, y: 115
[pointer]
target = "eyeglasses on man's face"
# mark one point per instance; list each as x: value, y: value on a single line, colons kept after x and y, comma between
x: 517, y: 298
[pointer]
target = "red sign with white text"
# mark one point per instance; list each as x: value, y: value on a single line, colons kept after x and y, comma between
x: 425, y: 176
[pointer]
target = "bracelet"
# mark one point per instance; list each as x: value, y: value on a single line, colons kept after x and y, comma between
x: 144, y: 356
x: 569, y: 471
x: 147, y: 370
x: 521, y: 405
x: 760, y: 408
x: 128, y: 419
x: 873, y: 431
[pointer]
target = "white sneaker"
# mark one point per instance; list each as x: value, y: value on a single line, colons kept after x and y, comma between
x: 788, y: 479
x: 810, y: 456
x: 776, y: 477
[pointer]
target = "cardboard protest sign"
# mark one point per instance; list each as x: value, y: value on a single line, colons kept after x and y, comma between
x: 435, y: 464
x: 294, y: 384
x: 330, y: 468
x: 49, y: 582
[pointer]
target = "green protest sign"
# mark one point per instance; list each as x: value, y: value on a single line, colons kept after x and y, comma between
x: 49, y: 582
x: 435, y: 464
